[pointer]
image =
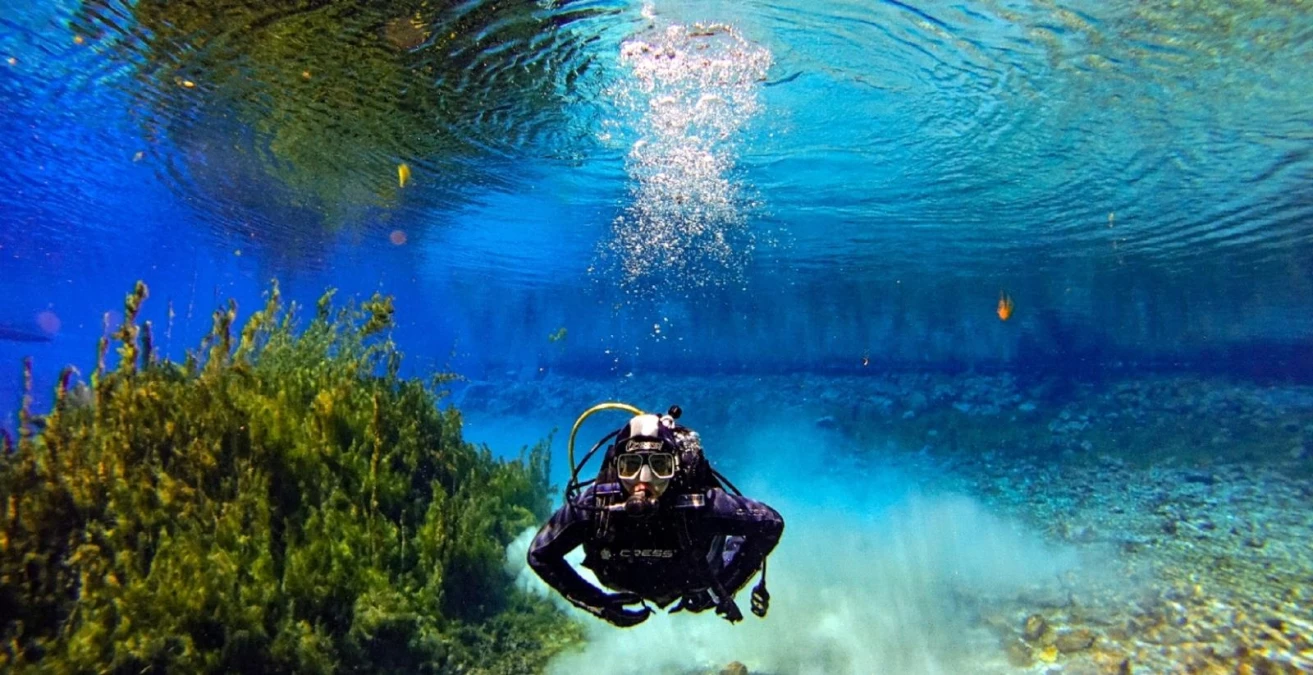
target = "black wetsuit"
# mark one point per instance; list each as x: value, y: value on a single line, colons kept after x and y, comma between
x: 684, y: 550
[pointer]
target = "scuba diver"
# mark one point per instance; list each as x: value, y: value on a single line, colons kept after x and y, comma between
x: 656, y: 525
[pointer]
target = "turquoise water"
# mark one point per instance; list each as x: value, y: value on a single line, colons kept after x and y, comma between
x: 796, y: 220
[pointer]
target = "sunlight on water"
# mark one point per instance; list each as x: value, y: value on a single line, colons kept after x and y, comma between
x: 691, y: 89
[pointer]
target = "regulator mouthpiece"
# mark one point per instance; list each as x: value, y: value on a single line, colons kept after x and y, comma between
x: 640, y: 504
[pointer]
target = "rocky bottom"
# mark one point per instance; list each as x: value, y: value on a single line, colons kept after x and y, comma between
x: 1224, y: 556
x: 1221, y: 561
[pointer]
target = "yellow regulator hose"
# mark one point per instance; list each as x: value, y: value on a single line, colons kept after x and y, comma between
x: 610, y: 405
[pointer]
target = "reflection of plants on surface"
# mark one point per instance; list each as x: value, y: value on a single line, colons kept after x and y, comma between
x: 277, y: 502
x: 341, y: 91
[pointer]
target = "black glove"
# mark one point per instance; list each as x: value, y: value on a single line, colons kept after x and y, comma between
x: 699, y: 601
x: 729, y: 610
x: 613, y: 610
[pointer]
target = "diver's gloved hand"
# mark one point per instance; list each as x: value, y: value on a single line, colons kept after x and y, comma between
x: 729, y: 610
x: 695, y: 602
x: 613, y: 610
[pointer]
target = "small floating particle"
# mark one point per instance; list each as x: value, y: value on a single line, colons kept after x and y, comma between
x: 1004, y: 306
x: 48, y: 322
x: 305, y: 74
x: 138, y: 156
x: 403, y: 174
x: 77, y: 40
x: 398, y: 237
x: 238, y: 253
x: 188, y: 84
x: 1112, y: 218
x: 13, y: 61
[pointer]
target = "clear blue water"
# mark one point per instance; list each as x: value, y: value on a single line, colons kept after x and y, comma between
x: 828, y: 187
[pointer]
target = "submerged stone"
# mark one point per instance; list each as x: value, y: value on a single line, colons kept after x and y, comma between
x: 1034, y: 628
x: 1074, y: 640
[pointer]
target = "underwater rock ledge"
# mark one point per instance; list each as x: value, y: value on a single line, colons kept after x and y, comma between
x: 280, y: 501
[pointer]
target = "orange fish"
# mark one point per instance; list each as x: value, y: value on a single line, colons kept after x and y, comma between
x: 1004, y: 306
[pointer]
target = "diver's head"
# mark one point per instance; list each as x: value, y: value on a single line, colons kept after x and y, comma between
x: 646, y: 456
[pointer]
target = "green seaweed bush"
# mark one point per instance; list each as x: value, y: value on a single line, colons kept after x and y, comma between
x: 282, y: 501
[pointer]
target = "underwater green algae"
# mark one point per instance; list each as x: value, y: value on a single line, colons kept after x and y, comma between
x: 281, y: 501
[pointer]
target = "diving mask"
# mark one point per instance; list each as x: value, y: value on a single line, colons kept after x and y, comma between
x: 645, y: 467
x: 631, y: 464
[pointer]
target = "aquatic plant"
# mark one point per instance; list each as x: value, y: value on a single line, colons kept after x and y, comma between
x: 280, y: 501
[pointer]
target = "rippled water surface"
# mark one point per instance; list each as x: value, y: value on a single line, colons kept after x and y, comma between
x: 832, y: 180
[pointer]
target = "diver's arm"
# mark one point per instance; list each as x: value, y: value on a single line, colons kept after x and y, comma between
x: 567, y: 529
x: 760, y: 525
